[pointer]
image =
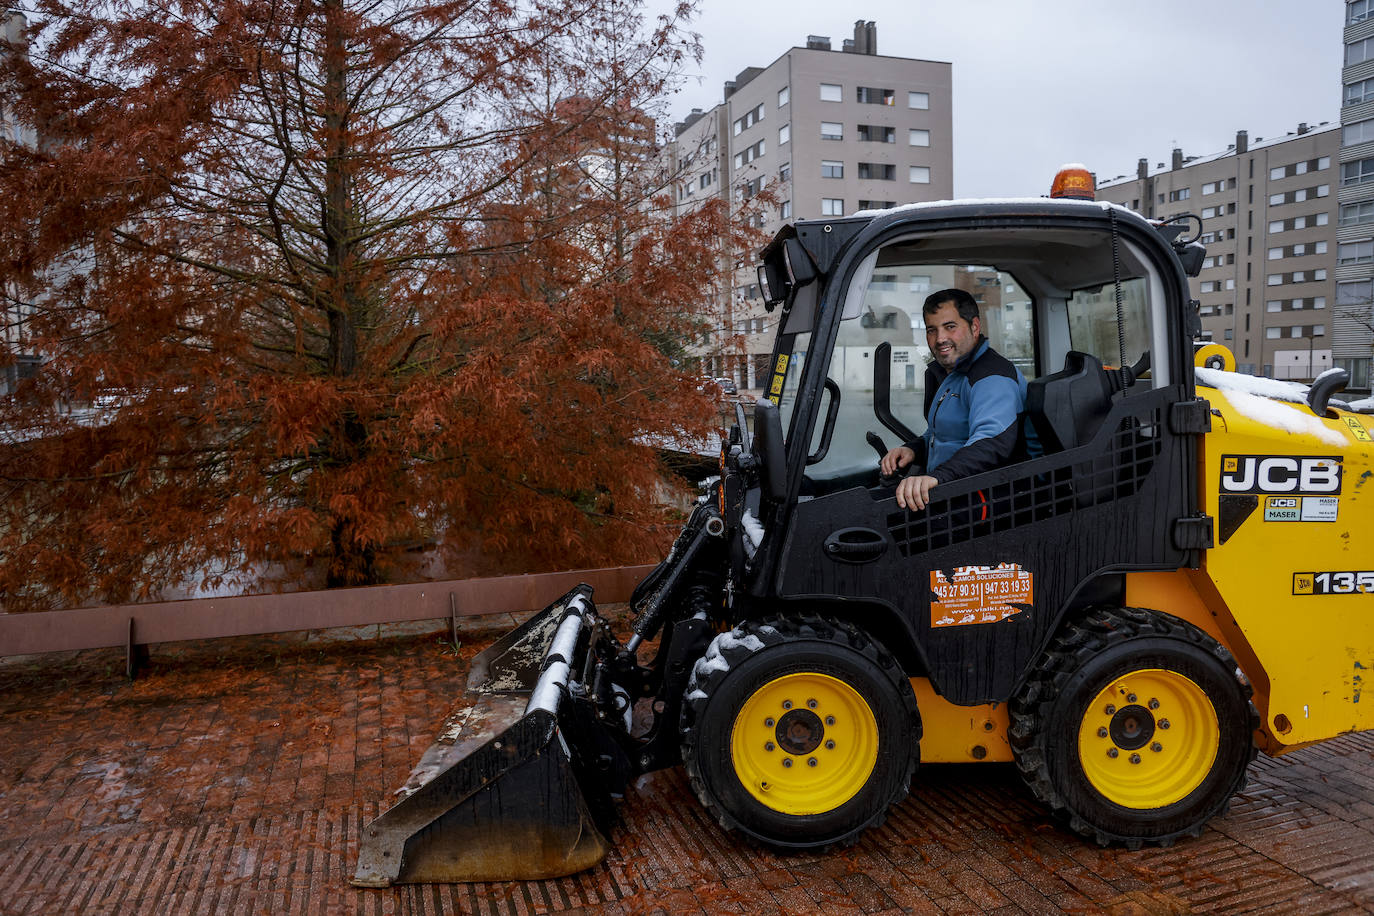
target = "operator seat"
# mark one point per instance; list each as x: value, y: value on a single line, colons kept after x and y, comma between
x: 1067, y: 407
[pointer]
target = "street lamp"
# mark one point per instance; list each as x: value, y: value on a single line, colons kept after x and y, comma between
x: 1312, y: 335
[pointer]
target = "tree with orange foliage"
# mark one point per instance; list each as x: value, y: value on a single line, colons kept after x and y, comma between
x: 316, y: 283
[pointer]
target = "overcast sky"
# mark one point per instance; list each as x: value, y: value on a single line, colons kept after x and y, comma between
x: 1038, y: 83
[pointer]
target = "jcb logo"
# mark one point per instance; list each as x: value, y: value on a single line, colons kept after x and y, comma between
x: 1300, y: 476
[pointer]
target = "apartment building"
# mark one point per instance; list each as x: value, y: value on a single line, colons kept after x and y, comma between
x: 22, y: 363
x: 1268, y: 288
x: 827, y: 133
x: 1353, y: 324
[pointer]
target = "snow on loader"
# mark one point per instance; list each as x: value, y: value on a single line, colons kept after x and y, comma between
x: 1182, y: 574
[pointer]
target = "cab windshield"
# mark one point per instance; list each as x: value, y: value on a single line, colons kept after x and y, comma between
x: 1041, y: 294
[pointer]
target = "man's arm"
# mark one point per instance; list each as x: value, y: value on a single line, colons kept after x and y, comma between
x: 995, y: 406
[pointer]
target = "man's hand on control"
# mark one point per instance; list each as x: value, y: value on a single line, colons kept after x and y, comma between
x: 898, y: 457
x: 914, y: 492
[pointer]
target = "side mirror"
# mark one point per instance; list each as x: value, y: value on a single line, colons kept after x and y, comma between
x: 769, y: 451
x: 785, y: 269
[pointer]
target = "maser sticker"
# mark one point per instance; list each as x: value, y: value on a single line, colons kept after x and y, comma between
x: 1301, y: 508
x: 978, y: 594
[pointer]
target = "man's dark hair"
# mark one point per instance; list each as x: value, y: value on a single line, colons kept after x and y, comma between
x: 964, y: 304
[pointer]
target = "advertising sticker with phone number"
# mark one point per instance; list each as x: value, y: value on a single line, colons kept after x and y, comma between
x: 978, y: 594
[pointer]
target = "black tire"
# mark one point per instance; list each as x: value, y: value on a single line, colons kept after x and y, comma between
x: 1135, y: 727
x: 851, y: 732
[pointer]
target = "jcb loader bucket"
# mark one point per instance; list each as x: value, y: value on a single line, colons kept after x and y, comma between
x: 518, y: 784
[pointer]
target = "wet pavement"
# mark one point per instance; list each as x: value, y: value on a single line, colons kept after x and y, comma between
x: 233, y: 777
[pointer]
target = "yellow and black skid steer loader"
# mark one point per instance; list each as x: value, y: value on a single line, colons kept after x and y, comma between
x: 1175, y: 572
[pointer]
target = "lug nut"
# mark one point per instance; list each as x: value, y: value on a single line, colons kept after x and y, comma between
x: 1102, y: 732
x: 1163, y: 723
x: 1112, y: 752
x: 1130, y: 698
x: 1154, y: 704
x: 786, y: 762
x: 768, y: 746
x: 768, y: 722
x: 811, y: 704
x: 1110, y: 710
x: 786, y: 704
x: 829, y: 720
x: 764, y: 785
x: 1156, y: 747
x: 1135, y: 758
x: 810, y: 761
x: 829, y: 745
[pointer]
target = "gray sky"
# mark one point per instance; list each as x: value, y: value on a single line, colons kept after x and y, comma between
x: 1038, y: 83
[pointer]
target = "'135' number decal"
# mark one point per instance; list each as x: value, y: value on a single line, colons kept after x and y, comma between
x: 1347, y: 582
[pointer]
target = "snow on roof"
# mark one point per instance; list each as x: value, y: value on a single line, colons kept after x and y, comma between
x: 1259, y: 399
x: 1213, y: 157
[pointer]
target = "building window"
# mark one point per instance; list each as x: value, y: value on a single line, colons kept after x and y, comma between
x: 1357, y: 52
x: 832, y: 92
x: 785, y: 211
x: 749, y: 119
x: 866, y: 95
x: 1355, y: 214
x: 1356, y: 11
x: 920, y: 174
x: 1300, y: 168
x: 832, y: 131
x: 749, y: 154
x: 784, y: 134
x: 1180, y: 194
x: 1275, y: 253
x: 1359, y: 132
x: 785, y: 172
x: 1358, y: 369
x: 1272, y: 333
x: 877, y: 204
x: 917, y: 137
x: 783, y: 95
x: 832, y: 206
x: 1211, y: 187
x: 919, y: 100
x: 876, y: 133
x: 1357, y: 172
x: 830, y: 168
x: 1355, y: 252
x: 1209, y: 212
x: 1354, y: 292
x: 1358, y: 93
x: 877, y: 171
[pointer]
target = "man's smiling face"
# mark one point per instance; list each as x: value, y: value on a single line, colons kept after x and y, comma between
x: 950, y: 337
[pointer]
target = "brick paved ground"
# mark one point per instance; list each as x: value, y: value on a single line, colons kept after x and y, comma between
x: 233, y: 778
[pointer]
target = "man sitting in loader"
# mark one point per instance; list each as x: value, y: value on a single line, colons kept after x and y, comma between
x: 974, y: 401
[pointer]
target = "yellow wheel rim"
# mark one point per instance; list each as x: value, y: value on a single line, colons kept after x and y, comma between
x: 1148, y: 739
x: 804, y: 743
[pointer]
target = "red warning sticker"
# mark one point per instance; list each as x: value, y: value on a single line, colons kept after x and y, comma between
x: 978, y: 594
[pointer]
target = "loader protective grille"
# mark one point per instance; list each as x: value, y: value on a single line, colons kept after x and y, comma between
x: 1113, y: 466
